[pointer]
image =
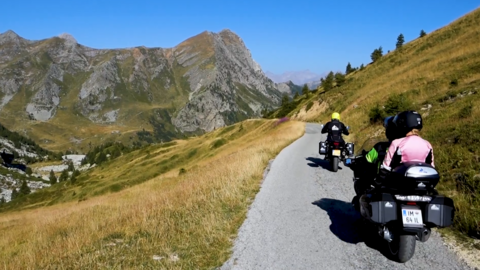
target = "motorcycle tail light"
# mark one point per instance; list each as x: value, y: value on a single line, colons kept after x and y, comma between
x: 336, y: 143
x: 411, y: 203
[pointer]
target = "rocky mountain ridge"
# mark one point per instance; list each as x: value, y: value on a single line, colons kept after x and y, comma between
x: 207, y: 81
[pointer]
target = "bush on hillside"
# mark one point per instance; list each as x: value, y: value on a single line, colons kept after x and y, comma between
x: 376, y: 114
x: 454, y: 82
x: 397, y: 103
x: 218, y: 143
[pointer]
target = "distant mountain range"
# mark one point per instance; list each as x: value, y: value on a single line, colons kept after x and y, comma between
x: 297, y: 77
x: 56, y: 86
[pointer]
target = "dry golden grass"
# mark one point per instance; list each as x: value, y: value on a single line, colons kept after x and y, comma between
x: 193, y: 217
x: 312, y: 115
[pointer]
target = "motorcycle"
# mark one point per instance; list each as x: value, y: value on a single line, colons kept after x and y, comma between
x: 336, y: 152
x: 405, y: 207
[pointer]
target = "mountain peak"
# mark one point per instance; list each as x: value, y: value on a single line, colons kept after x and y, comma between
x: 8, y: 36
x: 67, y: 37
x: 226, y: 30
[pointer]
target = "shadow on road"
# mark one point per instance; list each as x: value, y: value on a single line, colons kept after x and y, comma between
x: 348, y: 225
x: 345, y: 220
x: 318, y: 162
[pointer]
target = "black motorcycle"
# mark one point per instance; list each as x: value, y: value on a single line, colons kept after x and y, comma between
x: 336, y: 152
x: 404, y: 208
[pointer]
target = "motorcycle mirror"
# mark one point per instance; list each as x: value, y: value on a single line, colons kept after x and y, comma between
x: 321, y: 126
x: 348, y: 127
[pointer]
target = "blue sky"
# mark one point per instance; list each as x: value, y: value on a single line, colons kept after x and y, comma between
x: 281, y: 35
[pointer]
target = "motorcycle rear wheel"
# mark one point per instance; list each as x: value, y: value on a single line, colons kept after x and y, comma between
x: 402, y: 248
x: 335, y: 164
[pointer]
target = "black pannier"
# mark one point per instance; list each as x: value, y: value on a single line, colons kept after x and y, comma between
x: 381, y: 207
x: 440, y: 211
x: 322, y: 148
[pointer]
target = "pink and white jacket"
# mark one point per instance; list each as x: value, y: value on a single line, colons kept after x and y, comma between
x: 410, y: 148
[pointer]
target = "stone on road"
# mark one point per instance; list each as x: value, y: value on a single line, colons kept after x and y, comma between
x: 303, y: 218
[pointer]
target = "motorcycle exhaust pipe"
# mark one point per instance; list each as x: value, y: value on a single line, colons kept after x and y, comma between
x: 424, y: 235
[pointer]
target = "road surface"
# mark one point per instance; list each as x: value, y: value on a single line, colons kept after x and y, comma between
x: 302, y: 218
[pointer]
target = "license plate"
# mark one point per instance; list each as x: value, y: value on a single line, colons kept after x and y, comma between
x: 336, y: 153
x: 412, y: 217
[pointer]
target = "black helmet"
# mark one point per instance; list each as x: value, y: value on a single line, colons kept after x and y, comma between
x: 408, y: 120
x: 391, y: 131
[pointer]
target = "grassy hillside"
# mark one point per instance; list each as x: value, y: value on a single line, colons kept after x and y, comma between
x: 438, y: 75
x: 189, y: 199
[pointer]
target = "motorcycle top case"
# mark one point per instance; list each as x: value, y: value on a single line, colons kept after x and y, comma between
x: 322, y: 148
x: 415, y: 177
x: 382, y: 207
x: 440, y: 211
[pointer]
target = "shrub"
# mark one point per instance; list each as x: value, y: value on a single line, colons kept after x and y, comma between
x: 376, y: 114
x: 182, y: 171
x: 454, y: 82
x: 397, y: 103
x: 218, y: 143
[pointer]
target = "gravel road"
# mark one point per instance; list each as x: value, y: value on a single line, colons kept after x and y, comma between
x: 302, y: 218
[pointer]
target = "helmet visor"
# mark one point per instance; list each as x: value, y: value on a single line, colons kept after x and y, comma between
x: 386, y: 121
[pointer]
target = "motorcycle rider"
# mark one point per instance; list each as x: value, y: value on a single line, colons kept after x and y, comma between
x: 367, y: 166
x: 335, y: 129
x: 411, y: 147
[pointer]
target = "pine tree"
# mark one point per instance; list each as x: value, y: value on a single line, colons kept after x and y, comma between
x: 305, y: 90
x: 349, y: 69
x: 400, y: 41
x: 14, y: 194
x: 377, y: 54
x: 102, y: 157
x: 64, y: 176
x: 285, y: 99
x: 339, y: 79
x: 24, y: 189
x: 75, y: 174
x: 70, y: 166
x: 296, y: 95
x: 327, y: 83
x: 53, y: 178
x: 422, y: 33
x: 362, y: 67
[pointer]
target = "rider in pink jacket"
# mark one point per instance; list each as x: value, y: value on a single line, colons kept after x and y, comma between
x: 411, y: 147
